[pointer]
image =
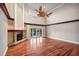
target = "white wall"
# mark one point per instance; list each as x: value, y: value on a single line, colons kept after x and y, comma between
x: 65, y: 13
x: 19, y: 21
x: 67, y: 31
x: 34, y: 20
x: 3, y: 33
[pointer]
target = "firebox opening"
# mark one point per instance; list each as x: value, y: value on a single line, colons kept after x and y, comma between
x: 19, y: 36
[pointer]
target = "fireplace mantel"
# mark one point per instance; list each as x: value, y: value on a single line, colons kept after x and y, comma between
x: 13, y: 30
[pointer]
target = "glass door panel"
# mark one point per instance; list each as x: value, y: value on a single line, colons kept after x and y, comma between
x: 36, y: 32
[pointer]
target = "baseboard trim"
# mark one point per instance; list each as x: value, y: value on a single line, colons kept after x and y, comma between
x: 65, y: 40
x: 5, y: 51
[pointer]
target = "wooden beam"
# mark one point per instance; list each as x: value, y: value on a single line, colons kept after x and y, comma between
x: 34, y: 24
x: 63, y: 22
x: 4, y: 9
x: 15, y: 30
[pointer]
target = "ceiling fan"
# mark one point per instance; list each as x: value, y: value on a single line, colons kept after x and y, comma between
x: 41, y: 12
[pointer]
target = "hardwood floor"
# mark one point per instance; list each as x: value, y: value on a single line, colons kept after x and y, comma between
x: 43, y: 47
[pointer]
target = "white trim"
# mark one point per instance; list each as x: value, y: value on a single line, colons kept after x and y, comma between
x: 5, y: 51
x: 23, y: 15
x: 65, y: 40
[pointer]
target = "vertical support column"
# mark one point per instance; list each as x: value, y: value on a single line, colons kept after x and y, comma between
x: 19, y: 16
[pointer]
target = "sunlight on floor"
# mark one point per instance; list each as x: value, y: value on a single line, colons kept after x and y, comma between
x: 36, y: 42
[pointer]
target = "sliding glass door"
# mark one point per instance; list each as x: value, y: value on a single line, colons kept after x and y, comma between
x: 36, y: 32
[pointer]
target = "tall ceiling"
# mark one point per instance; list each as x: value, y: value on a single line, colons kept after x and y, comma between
x: 47, y: 7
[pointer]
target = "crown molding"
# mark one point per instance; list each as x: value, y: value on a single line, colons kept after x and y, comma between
x: 34, y: 24
x: 64, y: 22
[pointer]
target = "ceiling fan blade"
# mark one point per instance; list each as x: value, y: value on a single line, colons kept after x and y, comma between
x: 40, y: 8
x: 33, y: 8
x: 49, y: 13
x: 36, y: 10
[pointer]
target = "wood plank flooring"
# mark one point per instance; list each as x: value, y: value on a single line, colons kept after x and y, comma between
x: 43, y: 47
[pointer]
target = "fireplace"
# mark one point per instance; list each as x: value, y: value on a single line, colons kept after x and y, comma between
x: 19, y: 36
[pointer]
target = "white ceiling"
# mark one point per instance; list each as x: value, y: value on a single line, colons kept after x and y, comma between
x: 48, y: 6
x: 32, y: 6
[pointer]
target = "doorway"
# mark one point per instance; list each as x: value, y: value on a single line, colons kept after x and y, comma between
x: 36, y: 32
